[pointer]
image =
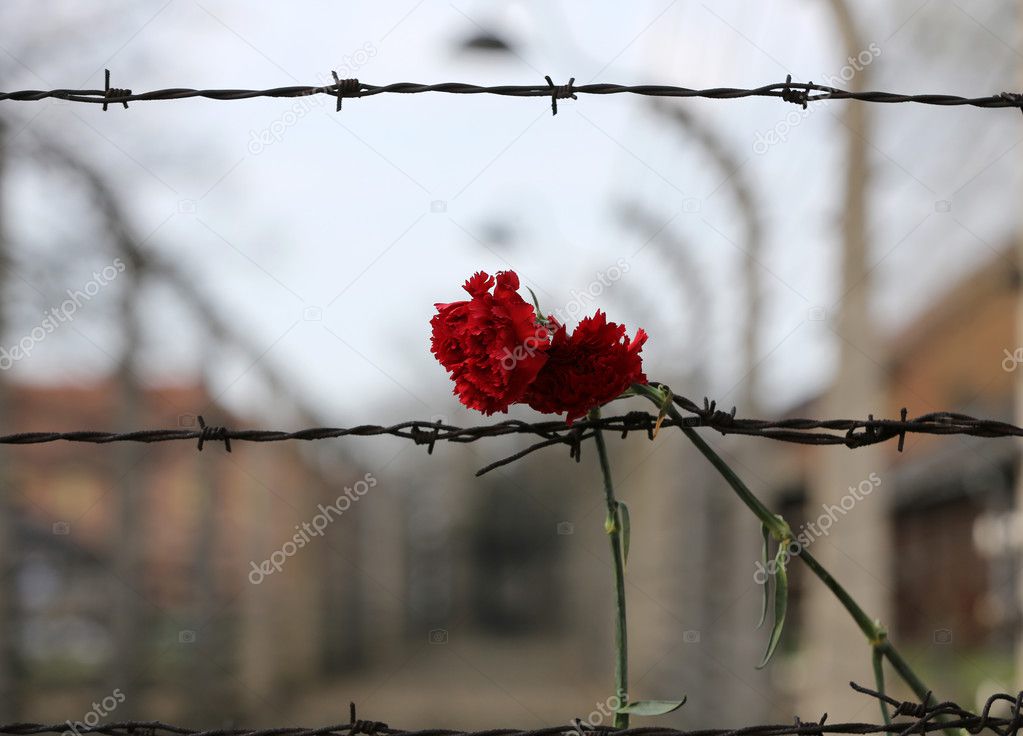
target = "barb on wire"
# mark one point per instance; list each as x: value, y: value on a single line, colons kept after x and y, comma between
x: 560, y: 92
x: 922, y: 720
x: 851, y: 433
x: 345, y: 88
x: 801, y: 93
x: 113, y: 92
x: 207, y: 433
x: 369, y: 728
x: 795, y: 96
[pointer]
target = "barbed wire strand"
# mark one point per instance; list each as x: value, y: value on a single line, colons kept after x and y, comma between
x: 923, y: 719
x: 799, y: 93
x: 851, y: 433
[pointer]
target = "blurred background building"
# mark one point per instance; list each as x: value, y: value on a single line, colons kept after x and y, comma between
x: 273, y: 263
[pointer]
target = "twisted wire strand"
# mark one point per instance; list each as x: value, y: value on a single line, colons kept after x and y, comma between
x: 851, y: 433
x: 922, y: 719
x: 801, y: 93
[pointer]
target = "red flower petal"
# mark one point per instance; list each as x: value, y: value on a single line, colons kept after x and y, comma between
x: 492, y: 345
x: 593, y: 365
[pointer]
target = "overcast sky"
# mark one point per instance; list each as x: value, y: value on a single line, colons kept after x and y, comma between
x: 328, y: 242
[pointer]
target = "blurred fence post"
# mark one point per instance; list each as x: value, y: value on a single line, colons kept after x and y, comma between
x: 835, y: 651
x: 9, y: 689
x: 717, y: 510
x: 209, y: 692
x: 130, y: 654
x: 1018, y: 410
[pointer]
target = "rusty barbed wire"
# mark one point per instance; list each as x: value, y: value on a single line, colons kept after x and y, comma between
x: 799, y: 93
x: 851, y: 433
x: 922, y: 719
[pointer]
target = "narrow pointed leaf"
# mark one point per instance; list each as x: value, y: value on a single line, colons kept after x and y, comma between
x: 767, y: 578
x: 623, y: 520
x: 668, y: 398
x: 651, y: 707
x: 879, y: 681
x: 781, y: 599
x: 536, y: 303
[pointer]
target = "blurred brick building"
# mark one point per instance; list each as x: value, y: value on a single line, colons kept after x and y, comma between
x: 200, y: 522
x: 951, y: 584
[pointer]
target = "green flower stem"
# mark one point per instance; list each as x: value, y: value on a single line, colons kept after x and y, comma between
x: 614, y: 533
x: 781, y: 531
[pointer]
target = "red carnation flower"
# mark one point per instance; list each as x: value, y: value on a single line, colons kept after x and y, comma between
x: 593, y: 365
x: 492, y: 345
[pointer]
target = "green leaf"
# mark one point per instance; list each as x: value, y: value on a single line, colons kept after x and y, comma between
x: 767, y: 578
x: 665, y: 405
x: 651, y: 707
x: 536, y: 303
x: 878, y: 658
x: 781, y: 598
x: 623, y: 519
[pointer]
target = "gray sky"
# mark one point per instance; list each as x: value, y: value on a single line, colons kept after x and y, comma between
x: 333, y: 218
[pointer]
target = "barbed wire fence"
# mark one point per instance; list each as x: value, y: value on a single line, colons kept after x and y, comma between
x: 800, y: 93
x: 922, y: 719
x: 851, y: 433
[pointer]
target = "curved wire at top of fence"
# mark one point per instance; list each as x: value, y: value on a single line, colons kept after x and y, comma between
x: 851, y: 433
x: 799, y: 93
x: 922, y: 719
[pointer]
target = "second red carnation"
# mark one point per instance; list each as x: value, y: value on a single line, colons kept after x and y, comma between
x: 593, y: 365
